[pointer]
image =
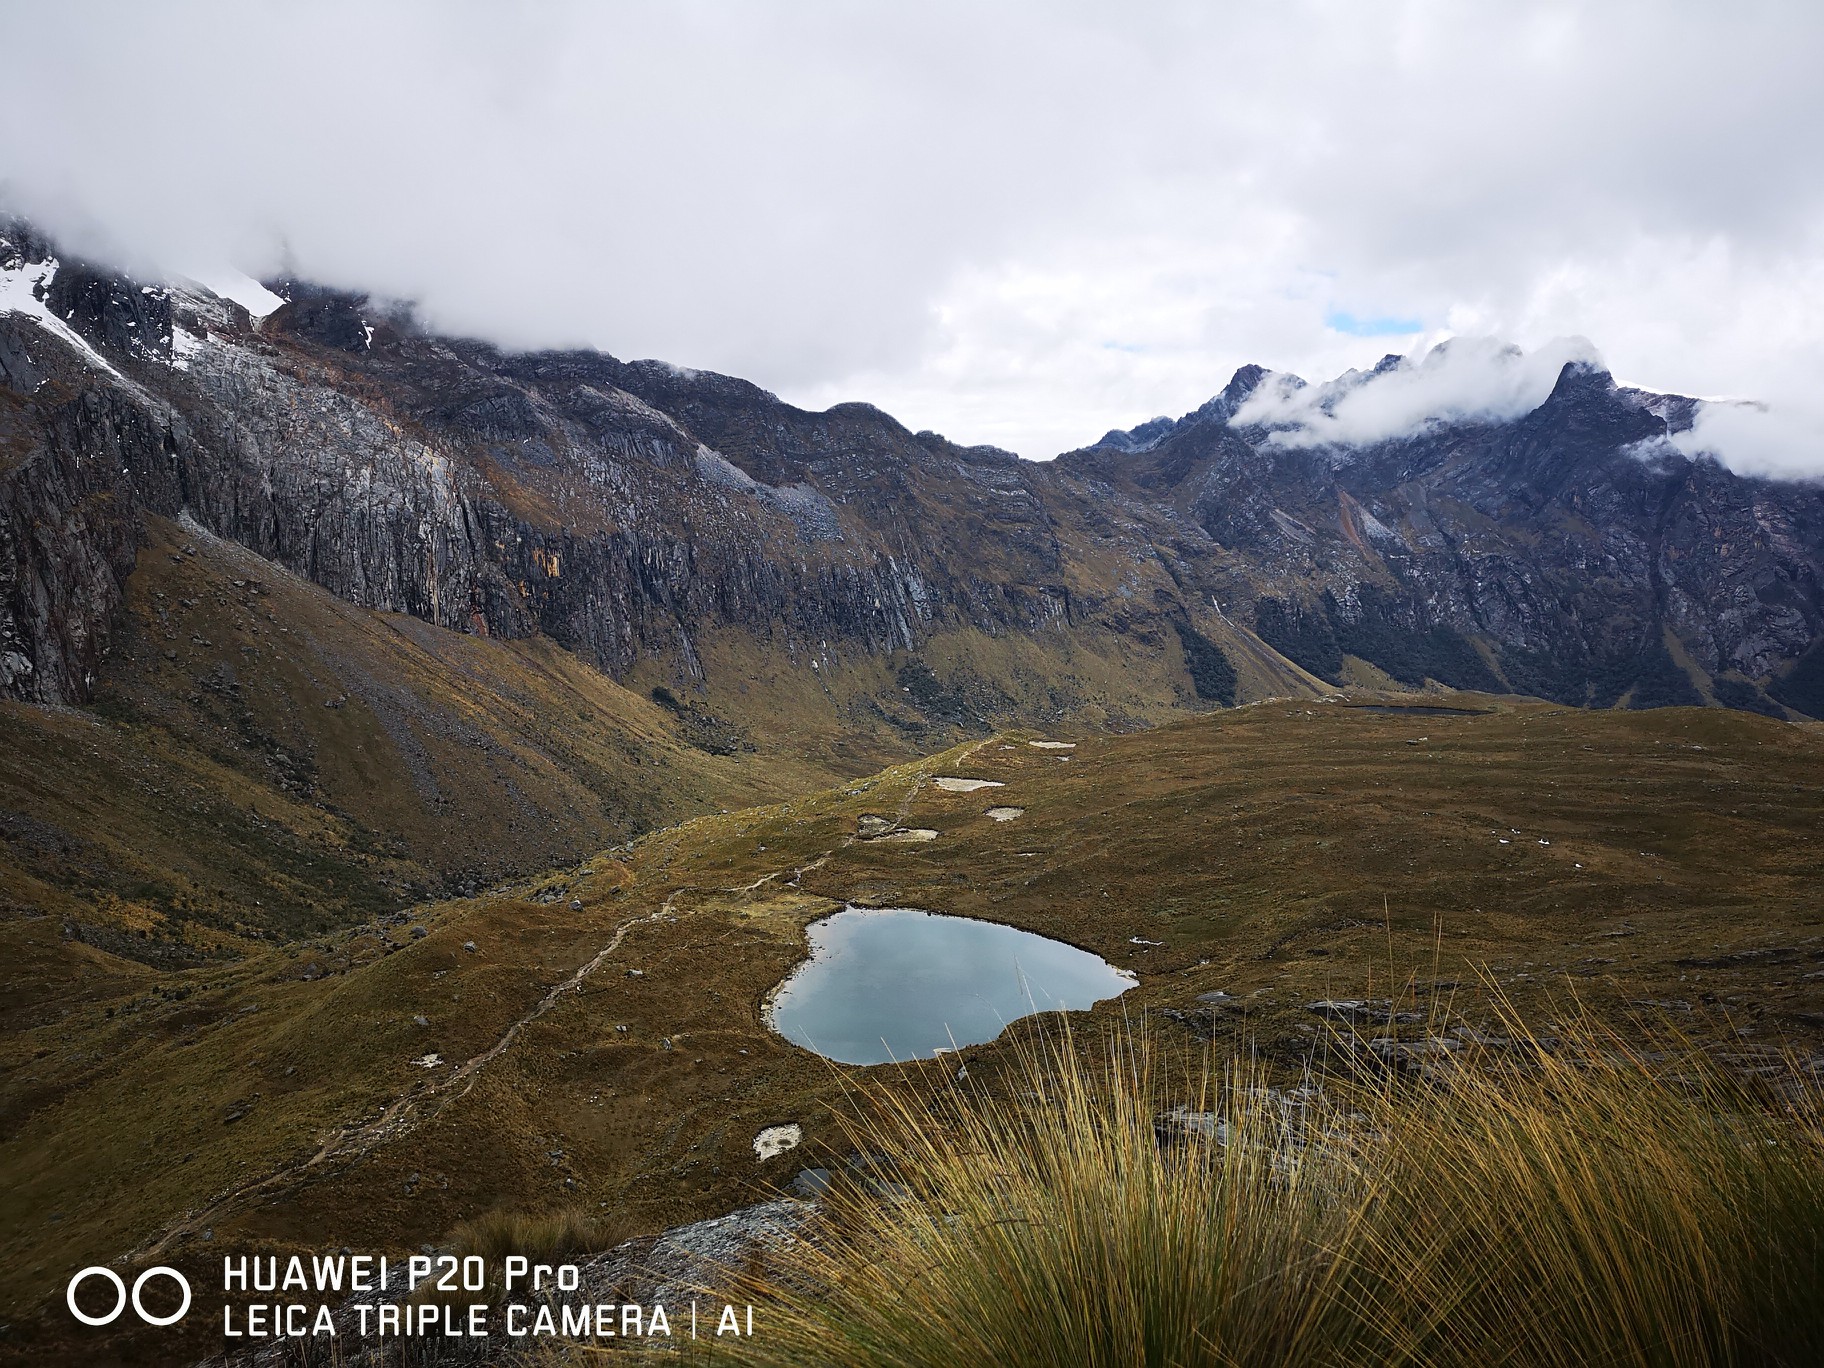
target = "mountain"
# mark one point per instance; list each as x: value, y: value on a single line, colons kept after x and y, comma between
x: 690, y: 531
x: 1569, y: 553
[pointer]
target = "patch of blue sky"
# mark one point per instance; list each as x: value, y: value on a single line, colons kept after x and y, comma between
x: 1383, y: 325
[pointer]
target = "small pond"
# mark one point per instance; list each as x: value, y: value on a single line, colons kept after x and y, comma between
x: 897, y: 983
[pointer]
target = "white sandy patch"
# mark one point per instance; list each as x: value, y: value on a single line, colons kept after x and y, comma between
x: 776, y: 1140
x: 1053, y: 745
x: 909, y: 834
x: 966, y: 785
x: 429, y: 1061
x: 1005, y: 814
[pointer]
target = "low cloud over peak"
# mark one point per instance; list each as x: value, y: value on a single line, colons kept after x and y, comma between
x: 1777, y: 441
x: 1020, y: 223
x: 1460, y: 380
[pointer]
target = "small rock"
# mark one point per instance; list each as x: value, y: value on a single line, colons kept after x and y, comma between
x: 419, y: 933
x: 1200, y: 1021
x: 1361, y: 1010
x: 421, y: 1021
x: 776, y: 1140
x: 1179, y: 1126
x: 1412, y: 1056
x: 1470, y: 1035
x: 812, y: 1183
x: 576, y: 904
x: 469, y: 946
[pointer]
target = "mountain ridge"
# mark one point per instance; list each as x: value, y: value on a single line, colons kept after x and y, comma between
x: 633, y: 511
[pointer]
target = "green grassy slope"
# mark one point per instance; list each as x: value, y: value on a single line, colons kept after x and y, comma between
x: 1280, y: 852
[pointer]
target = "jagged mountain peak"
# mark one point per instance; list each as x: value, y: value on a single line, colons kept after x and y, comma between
x: 1218, y: 409
x: 1143, y: 437
x: 1242, y: 386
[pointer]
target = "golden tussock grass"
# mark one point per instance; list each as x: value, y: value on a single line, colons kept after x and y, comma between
x: 1587, y: 1203
x: 543, y: 1235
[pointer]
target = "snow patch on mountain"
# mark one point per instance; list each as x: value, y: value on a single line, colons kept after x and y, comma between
x: 227, y: 283
x: 23, y: 286
x: 184, y: 345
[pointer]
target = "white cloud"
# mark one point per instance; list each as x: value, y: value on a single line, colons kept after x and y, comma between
x: 1779, y: 442
x: 1022, y: 223
x: 1461, y: 380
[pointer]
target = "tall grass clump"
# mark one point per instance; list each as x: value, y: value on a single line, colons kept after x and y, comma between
x: 1594, y: 1203
x: 550, y: 1236
x: 546, y: 1235
x: 1586, y: 1205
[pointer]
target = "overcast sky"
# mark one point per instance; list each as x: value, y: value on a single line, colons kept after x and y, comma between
x: 1015, y: 223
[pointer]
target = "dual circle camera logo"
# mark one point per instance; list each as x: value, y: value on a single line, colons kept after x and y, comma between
x: 122, y: 1297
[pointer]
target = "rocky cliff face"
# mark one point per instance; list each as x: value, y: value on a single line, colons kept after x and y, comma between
x: 1571, y: 553
x: 626, y: 510
x: 501, y: 495
x: 84, y: 451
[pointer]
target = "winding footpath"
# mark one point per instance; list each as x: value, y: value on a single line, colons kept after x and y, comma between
x: 424, y: 1101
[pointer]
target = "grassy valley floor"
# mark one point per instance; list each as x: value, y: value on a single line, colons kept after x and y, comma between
x: 592, y: 1040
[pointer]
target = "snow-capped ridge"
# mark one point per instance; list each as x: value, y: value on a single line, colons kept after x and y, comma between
x: 24, y: 286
